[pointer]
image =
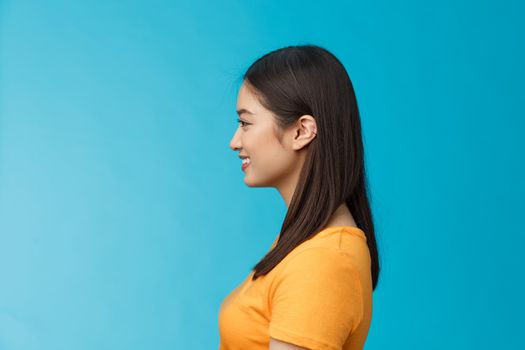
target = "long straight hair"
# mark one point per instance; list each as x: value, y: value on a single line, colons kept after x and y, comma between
x: 308, y: 79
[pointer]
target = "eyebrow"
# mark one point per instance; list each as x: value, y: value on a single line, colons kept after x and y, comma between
x: 242, y: 110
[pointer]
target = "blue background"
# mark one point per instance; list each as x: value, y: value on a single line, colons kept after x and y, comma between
x: 124, y: 219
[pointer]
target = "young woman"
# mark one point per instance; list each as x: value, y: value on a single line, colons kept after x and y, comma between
x: 300, y: 132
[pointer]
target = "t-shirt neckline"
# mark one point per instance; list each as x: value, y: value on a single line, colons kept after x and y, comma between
x: 351, y: 229
x: 331, y: 229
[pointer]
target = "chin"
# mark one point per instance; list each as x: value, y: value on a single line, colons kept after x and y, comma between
x: 249, y: 183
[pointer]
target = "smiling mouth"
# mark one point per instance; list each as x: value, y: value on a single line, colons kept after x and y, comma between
x: 245, y: 163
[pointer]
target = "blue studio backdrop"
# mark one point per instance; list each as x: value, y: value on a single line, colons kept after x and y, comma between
x: 124, y: 218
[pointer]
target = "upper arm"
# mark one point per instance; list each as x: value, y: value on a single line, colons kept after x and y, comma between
x: 280, y: 345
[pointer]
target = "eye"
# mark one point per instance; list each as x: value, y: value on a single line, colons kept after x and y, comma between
x: 243, y: 123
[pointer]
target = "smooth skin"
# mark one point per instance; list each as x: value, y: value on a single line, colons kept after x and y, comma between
x: 273, y: 164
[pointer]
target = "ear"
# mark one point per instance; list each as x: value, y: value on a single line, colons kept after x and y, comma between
x: 304, y: 132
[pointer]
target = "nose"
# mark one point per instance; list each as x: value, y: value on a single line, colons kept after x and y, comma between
x: 235, y: 142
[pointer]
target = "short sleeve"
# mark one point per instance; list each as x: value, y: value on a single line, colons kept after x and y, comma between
x: 317, y: 300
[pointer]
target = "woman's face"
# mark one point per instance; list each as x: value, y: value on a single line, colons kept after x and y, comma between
x: 271, y: 164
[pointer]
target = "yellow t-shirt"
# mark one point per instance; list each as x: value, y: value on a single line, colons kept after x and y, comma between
x: 319, y: 297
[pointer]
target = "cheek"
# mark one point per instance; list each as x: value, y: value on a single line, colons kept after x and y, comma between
x: 262, y: 145
x: 270, y: 157
x: 256, y: 142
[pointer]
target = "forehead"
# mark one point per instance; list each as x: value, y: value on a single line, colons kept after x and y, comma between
x: 246, y: 99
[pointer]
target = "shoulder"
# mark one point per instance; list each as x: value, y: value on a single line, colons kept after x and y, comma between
x: 317, y: 299
x: 318, y: 268
x: 319, y: 259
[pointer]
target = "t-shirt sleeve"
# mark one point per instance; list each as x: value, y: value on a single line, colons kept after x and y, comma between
x: 317, y: 300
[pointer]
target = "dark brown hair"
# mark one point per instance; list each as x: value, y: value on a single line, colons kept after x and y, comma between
x: 308, y: 79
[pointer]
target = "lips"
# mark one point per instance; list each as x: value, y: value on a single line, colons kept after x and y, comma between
x: 245, y: 163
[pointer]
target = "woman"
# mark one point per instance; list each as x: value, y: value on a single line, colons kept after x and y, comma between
x: 300, y: 132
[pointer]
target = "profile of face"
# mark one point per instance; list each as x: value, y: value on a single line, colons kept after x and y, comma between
x: 271, y: 164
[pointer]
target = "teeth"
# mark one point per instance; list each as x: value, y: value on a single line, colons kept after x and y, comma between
x: 246, y: 161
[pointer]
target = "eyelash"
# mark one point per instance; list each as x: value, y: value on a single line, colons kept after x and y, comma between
x: 241, y: 121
